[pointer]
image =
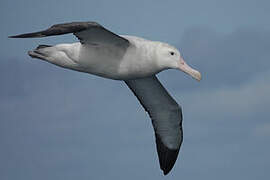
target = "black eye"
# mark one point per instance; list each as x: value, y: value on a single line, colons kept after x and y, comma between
x: 172, y: 53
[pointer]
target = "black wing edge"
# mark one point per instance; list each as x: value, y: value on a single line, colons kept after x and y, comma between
x: 59, y: 29
x: 167, y: 157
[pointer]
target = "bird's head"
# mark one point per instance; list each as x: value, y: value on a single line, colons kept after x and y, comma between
x: 168, y: 57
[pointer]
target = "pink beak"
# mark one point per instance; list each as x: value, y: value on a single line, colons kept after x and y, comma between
x: 187, y: 69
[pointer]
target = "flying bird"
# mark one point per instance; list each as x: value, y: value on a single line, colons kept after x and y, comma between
x: 131, y: 59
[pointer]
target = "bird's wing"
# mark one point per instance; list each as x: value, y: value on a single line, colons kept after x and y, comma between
x: 166, y: 117
x: 86, y: 32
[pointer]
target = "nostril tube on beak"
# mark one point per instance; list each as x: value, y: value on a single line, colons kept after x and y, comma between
x: 190, y: 71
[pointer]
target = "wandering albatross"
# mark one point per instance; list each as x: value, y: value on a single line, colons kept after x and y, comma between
x: 131, y: 59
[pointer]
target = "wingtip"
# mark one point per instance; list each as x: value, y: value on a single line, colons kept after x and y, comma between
x: 165, y: 172
x: 167, y: 168
x: 29, y: 35
x: 168, y: 165
x: 167, y: 157
x: 16, y: 36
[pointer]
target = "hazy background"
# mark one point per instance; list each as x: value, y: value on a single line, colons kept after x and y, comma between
x: 56, y: 124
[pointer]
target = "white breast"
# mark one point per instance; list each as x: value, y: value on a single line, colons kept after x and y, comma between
x: 139, y: 60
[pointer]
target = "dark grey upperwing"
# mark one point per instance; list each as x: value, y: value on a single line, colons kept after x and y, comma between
x: 86, y: 32
x: 166, y: 117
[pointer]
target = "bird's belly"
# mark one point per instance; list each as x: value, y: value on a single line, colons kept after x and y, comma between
x: 114, y: 66
x: 100, y: 67
x: 115, y: 69
x: 111, y: 66
x: 136, y: 71
x: 135, y: 66
x: 94, y: 61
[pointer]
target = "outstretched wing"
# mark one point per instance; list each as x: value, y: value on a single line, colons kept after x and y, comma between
x: 166, y: 117
x: 86, y: 32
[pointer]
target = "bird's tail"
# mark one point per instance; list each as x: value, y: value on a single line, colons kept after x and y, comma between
x: 40, y: 52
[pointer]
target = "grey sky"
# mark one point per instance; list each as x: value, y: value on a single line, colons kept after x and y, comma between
x: 60, y: 124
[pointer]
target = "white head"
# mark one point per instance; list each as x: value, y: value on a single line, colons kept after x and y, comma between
x: 168, y: 57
